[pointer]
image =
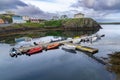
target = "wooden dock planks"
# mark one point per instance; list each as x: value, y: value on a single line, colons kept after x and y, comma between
x: 87, y: 49
x: 84, y: 48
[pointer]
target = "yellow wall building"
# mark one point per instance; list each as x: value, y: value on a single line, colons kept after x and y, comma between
x: 2, y: 21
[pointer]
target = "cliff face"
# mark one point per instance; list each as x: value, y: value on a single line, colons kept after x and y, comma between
x: 81, y: 23
x: 75, y: 22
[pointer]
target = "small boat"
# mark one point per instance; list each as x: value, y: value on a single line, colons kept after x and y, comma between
x: 23, y: 39
x: 34, y: 50
x: 94, y: 39
x: 53, y: 46
x: 56, y: 39
x: 69, y: 48
x: 14, y: 52
x: 76, y: 37
x: 76, y: 41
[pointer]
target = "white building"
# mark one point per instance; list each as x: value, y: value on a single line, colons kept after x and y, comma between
x: 64, y: 17
x: 55, y: 18
x: 34, y: 20
x: 18, y: 19
x: 79, y: 15
x: 26, y: 18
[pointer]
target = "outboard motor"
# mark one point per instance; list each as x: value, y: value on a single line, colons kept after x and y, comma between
x: 13, y: 52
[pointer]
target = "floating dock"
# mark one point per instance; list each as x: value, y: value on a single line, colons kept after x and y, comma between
x: 87, y: 49
x: 83, y: 48
x: 78, y: 46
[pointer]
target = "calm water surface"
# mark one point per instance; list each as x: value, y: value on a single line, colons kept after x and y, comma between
x: 61, y: 65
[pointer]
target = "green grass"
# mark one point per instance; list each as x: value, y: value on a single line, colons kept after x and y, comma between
x: 79, y: 22
x: 38, y: 25
x: 33, y: 24
x: 53, y: 23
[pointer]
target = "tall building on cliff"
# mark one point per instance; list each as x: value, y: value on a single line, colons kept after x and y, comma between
x: 79, y: 15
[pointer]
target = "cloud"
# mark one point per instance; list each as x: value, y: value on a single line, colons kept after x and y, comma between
x: 33, y: 11
x: 97, y: 9
x: 22, y: 8
x: 98, y: 4
x: 10, y: 4
x: 46, y: 8
x: 51, y: 5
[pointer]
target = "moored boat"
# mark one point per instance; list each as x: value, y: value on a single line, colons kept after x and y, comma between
x: 23, y: 39
x: 69, y: 48
x: 34, y: 50
x: 58, y: 39
x: 14, y: 52
x: 52, y: 46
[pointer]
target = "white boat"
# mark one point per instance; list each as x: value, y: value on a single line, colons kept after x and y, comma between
x: 94, y: 39
x: 69, y: 48
x: 55, y: 39
x: 23, y: 39
x: 76, y: 41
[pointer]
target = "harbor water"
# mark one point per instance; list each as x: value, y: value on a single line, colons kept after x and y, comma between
x: 58, y: 64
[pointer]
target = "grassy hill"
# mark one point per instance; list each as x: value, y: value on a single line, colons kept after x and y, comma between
x: 67, y: 23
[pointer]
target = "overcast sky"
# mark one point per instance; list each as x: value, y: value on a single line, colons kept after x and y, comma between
x: 98, y: 9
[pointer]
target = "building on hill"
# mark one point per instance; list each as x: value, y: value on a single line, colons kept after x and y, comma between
x: 2, y: 21
x: 9, y: 12
x: 26, y: 18
x: 79, y: 15
x: 64, y: 17
x: 18, y: 19
x: 34, y: 20
x: 55, y: 18
x: 7, y: 15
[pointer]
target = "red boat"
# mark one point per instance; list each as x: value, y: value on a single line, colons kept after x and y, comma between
x: 34, y: 50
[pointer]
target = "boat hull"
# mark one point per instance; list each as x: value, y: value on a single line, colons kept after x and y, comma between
x: 34, y: 50
x: 52, y: 46
x: 69, y: 48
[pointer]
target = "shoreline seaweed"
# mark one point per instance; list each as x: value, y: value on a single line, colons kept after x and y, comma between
x: 114, y: 61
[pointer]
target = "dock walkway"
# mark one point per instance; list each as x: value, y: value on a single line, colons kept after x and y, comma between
x: 83, y: 48
x: 78, y: 46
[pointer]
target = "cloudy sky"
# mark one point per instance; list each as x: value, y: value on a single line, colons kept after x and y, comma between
x: 101, y: 10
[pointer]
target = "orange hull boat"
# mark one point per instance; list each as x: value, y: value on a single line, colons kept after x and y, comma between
x: 53, y: 46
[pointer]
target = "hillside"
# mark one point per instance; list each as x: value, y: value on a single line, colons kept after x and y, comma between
x: 52, y: 27
x: 75, y: 22
x: 6, y: 17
